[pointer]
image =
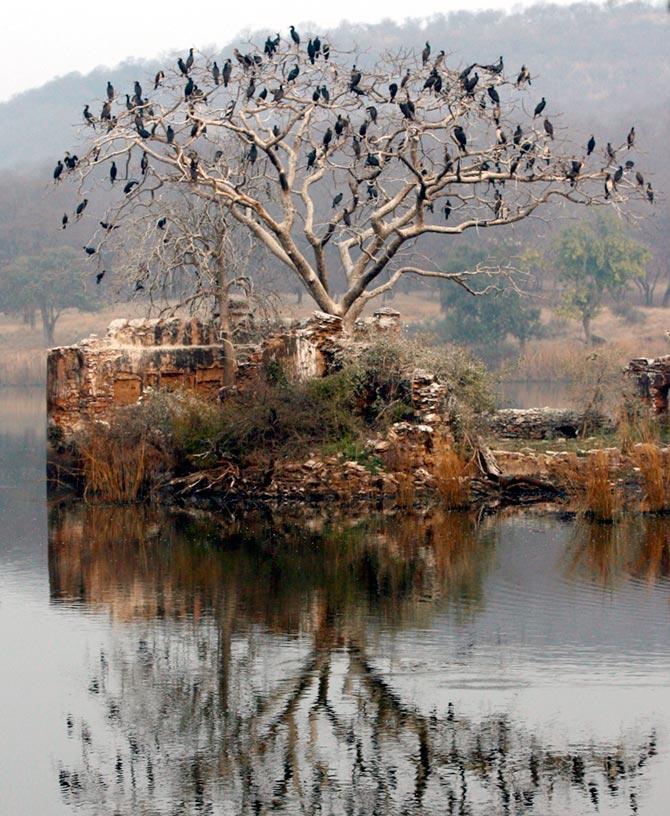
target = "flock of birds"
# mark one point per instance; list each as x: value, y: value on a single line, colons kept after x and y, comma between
x: 469, y: 79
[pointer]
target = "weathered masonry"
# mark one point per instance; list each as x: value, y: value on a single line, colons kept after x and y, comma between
x: 652, y: 376
x: 87, y: 380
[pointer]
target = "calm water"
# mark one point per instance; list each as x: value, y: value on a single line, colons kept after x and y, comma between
x: 152, y: 663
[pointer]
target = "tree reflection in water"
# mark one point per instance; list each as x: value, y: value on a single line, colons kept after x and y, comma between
x: 240, y: 679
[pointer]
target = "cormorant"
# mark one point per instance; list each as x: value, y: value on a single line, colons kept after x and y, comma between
x: 144, y: 133
x: 189, y: 59
x: 278, y: 94
x: 327, y: 138
x: 144, y: 163
x: 110, y: 91
x: 500, y: 136
x: 88, y: 117
x: 80, y: 208
x: 189, y: 88
x: 425, y: 54
x: 129, y: 186
x: 407, y: 109
x: 317, y: 45
x: 316, y: 94
x: 251, y: 88
x: 226, y: 72
x: 362, y: 130
x: 107, y: 226
x: 89, y: 250
x: 310, y: 51
x: 469, y: 83
x: 629, y: 164
x: 138, y: 92
x: 405, y: 79
x: 263, y: 94
x: 650, y: 193
x: 491, y: 91
x: 447, y: 210
x: 311, y: 158
x: 337, y: 200
x: 618, y: 175
x: 590, y: 146
x: 139, y: 286
x: 630, y: 139
x: 325, y: 93
x: 58, y: 170
x: 541, y: 105
x: 524, y: 76
x: 494, y: 69
x: 346, y: 217
x: 64, y: 220
x: 99, y: 276
x: 356, y: 146
x: 439, y: 59
x: 373, y: 160
x: 372, y: 113
x: 252, y: 155
x: 609, y: 186
x: 294, y: 35
x: 639, y: 178
x: 548, y: 128
x: 355, y: 78
x: 161, y: 223
x: 230, y: 107
x: 611, y: 152
x: 460, y: 137
x: 129, y: 104
x: 326, y: 51
x: 106, y: 112
x: 113, y: 172
x: 431, y: 79
x: 160, y: 76
x: 182, y: 66
x: 169, y: 134
x: 293, y: 73
x: 518, y: 133
x: 216, y: 73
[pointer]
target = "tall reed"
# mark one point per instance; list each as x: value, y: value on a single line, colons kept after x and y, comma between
x: 115, y: 468
x: 451, y: 474
x: 591, y: 483
x: 654, y: 468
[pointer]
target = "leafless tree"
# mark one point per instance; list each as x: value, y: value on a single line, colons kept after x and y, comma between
x: 338, y: 171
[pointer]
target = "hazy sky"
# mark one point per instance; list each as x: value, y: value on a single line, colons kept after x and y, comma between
x: 43, y: 39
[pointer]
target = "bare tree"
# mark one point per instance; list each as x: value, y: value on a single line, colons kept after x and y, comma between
x: 338, y: 171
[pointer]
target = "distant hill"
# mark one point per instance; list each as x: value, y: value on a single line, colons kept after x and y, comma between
x: 602, y: 66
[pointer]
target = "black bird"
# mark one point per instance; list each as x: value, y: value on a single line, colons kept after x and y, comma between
x: 373, y: 160
x: 494, y: 69
x: 169, y: 134
x: 465, y: 73
x: 129, y: 186
x: 325, y: 94
x: 161, y: 223
x: 293, y: 73
x: 182, y: 66
x: 230, y: 107
x: 278, y: 94
x: 311, y: 53
x: 639, y: 178
x: 326, y: 51
x: 337, y: 200
x: 548, y: 128
x: 407, y: 109
x: 311, y: 158
x: 99, y: 276
x: 590, y: 146
x: 431, y: 79
x: 363, y: 129
x: 252, y: 155
x: 139, y: 286
x: 251, y: 88
x: 460, y: 137
x: 425, y: 54
x: 317, y: 45
x: 340, y: 124
x: 470, y: 83
x: 107, y: 226
x: 346, y: 217
x: 113, y: 172
x: 518, y: 133
x: 524, y: 76
x: 226, y: 72
x: 609, y: 186
x: 160, y: 76
x: 618, y: 175
x: 491, y: 91
x: 355, y: 78
x: 630, y: 139
x: 447, y: 210
x: 294, y: 35
x: 327, y: 138
x: 144, y: 133
x: 58, y: 170
x: 189, y: 88
x: 80, y: 208
x: 263, y: 94
x: 144, y: 163
x: 110, y: 91
x: 269, y: 47
x: 574, y: 171
x: 611, y: 152
x: 316, y: 94
x: 89, y: 250
x: 216, y: 73
x: 372, y: 113
x: 650, y: 193
x: 629, y: 164
x: 64, y: 220
x: 138, y: 92
x: 129, y: 104
x: 541, y: 105
x: 106, y: 112
x: 189, y: 59
x: 405, y: 79
x: 88, y: 116
x: 356, y: 146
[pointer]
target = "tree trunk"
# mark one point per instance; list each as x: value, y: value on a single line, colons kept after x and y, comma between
x: 586, y: 325
x: 666, y: 296
x: 223, y: 305
x: 49, y: 318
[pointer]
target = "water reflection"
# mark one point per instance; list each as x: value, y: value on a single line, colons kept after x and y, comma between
x: 242, y: 678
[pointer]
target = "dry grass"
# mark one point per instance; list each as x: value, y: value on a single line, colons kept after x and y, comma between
x: 399, y: 461
x: 654, y: 466
x: 592, y: 484
x: 451, y: 474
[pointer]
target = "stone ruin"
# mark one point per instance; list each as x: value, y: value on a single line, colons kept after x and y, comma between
x: 86, y: 381
x: 652, y: 378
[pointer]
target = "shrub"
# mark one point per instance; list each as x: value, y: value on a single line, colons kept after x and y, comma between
x: 654, y: 466
x: 451, y: 473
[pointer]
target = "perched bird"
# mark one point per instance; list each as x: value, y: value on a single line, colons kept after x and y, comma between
x: 407, y: 109
x: 169, y: 134
x: 501, y: 138
x: 160, y: 76
x: 325, y: 94
x: 252, y: 155
x: 639, y: 178
x: 548, y: 128
x: 629, y: 164
x: 89, y: 250
x: 80, y: 208
x: 64, y: 220
x: 494, y: 69
x: 189, y: 59
x: 518, y: 134
x: 524, y: 76
x: 630, y: 139
x: 294, y: 35
x: 491, y: 91
x: 58, y: 170
x: 88, y: 116
x: 590, y: 145
x: 311, y: 53
x: 293, y: 73
x: 263, y: 94
x: 470, y: 83
x: 311, y: 158
x: 113, y: 172
x: 373, y: 160
x: 405, y: 78
x: 216, y: 73
x: 425, y: 54
x: 138, y: 92
x: 161, y: 223
x: 355, y: 78
x: 99, y: 276
x: 144, y: 163
x: 447, y: 210
x: 609, y: 186
x: 251, y: 88
x: 110, y: 91
x: 541, y: 105
x: 230, y: 109
x: 460, y: 137
x: 337, y: 200
x: 189, y: 88
x: 316, y: 94
x: 326, y: 51
x: 611, y: 152
x: 182, y: 66
x: 107, y: 226
x: 327, y: 138
x: 226, y: 71
x: 128, y: 188
x: 372, y: 113
x: 278, y: 94
x: 139, y: 286
x: 650, y: 193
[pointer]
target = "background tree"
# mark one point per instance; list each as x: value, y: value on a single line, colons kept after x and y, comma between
x: 47, y: 282
x: 341, y: 171
x: 594, y: 260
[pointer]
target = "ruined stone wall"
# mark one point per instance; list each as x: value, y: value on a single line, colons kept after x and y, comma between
x: 541, y: 423
x: 652, y: 377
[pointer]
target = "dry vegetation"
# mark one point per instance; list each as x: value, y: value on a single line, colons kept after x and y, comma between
x: 654, y: 467
x: 452, y: 474
x: 592, y: 484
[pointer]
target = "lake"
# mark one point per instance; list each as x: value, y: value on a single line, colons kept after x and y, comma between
x: 156, y: 662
